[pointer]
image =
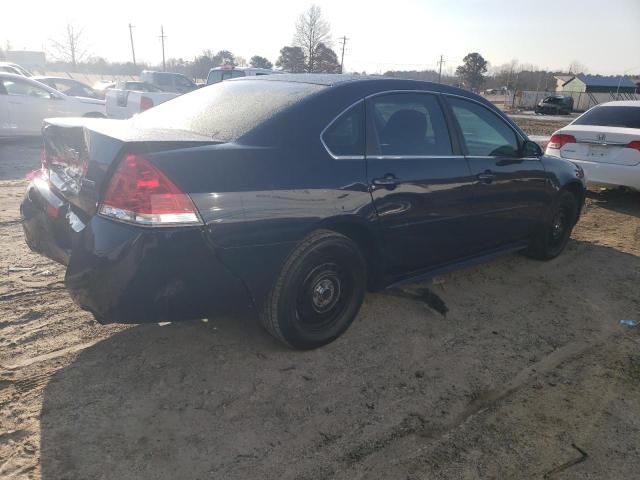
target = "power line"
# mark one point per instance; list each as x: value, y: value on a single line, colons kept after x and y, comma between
x: 133, y: 52
x: 344, y: 42
x: 162, y: 37
x: 440, y: 68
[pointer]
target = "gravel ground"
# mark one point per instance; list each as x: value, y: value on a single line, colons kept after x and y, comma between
x: 528, y: 374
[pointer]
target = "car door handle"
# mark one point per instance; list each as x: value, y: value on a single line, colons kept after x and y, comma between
x: 486, y: 177
x: 389, y: 181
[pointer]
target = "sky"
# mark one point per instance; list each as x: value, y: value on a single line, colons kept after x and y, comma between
x: 386, y: 35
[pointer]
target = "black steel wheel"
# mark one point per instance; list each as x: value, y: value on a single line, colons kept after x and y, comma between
x: 554, y: 235
x: 318, y: 292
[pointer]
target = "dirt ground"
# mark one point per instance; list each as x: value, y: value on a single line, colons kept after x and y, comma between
x: 528, y: 374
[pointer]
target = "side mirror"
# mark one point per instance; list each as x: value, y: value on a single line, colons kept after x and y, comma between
x: 53, y: 96
x: 531, y: 149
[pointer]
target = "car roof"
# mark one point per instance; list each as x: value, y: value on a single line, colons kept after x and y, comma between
x: 369, y: 83
x: 13, y: 75
x: 164, y: 73
x: 30, y: 80
x: 244, y: 69
x: 50, y: 77
x: 621, y: 103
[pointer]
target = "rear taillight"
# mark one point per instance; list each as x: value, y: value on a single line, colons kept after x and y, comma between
x: 560, y: 139
x: 145, y: 103
x: 635, y: 145
x: 140, y: 193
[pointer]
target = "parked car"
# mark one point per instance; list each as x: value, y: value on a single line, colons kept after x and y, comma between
x: 101, y: 87
x: 131, y: 97
x: 14, y: 68
x: 219, y: 74
x: 605, y: 142
x: 555, y: 105
x: 25, y: 103
x: 68, y: 86
x: 168, y: 81
x: 263, y: 192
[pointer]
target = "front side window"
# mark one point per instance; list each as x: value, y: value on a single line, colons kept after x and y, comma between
x: 345, y: 136
x: 184, y: 82
x: 19, y: 87
x: 410, y: 124
x: 484, y: 133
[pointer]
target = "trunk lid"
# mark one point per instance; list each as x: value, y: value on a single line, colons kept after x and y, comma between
x: 82, y: 153
x: 601, y: 144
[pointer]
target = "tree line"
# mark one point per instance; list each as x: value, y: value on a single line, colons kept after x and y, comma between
x: 309, y: 52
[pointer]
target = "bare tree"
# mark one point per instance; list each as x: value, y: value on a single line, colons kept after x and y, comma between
x: 311, y: 31
x: 576, y: 67
x: 69, y: 48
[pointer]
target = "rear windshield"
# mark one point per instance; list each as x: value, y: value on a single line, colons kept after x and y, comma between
x: 226, y: 110
x: 628, y: 117
x: 216, y: 76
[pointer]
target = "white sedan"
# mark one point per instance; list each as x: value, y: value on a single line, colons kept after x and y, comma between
x: 605, y: 142
x: 25, y: 103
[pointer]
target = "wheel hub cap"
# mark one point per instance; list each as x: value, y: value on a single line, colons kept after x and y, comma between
x: 558, y: 225
x: 325, y: 293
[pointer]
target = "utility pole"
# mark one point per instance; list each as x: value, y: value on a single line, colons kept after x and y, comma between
x: 133, y: 52
x: 162, y: 37
x: 440, y: 69
x: 344, y: 42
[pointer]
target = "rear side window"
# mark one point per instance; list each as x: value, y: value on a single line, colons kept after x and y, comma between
x: 163, y: 79
x: 345, y: 136
x: 214, y: 76
x: 626, y: 117
x: 410, y: 124
x: 484, y: 133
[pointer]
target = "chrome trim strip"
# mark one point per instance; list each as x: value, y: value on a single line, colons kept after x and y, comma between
x: 398, y: 157
x: 331, y: 154
x: 409, y: 157
x: 604, y: 144
x: 449, y: 95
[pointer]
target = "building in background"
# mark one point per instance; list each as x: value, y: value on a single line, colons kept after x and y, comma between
x: 582, y: 83
x: 31, y: 60
x: 561, y: 80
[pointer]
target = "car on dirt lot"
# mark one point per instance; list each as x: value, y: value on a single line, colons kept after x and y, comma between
x: 68, y: 86
x: 605, y: 142
x: 555, y: 105
x: 291, y: 195
x: 25, y: 103
x: 218, y: 74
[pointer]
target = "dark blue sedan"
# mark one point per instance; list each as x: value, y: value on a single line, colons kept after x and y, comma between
x: 291, y: 195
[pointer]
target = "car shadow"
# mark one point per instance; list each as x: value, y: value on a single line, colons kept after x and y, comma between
x: 618, y: 200
x: 221, y: 399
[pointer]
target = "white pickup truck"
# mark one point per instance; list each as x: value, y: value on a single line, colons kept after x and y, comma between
x: 131, y: 97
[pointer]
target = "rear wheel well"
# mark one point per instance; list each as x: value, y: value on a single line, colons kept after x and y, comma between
x: 363, y: 238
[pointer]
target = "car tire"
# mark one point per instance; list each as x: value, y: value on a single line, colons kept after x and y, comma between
x: 318, y: 293
x: 554, y: 235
